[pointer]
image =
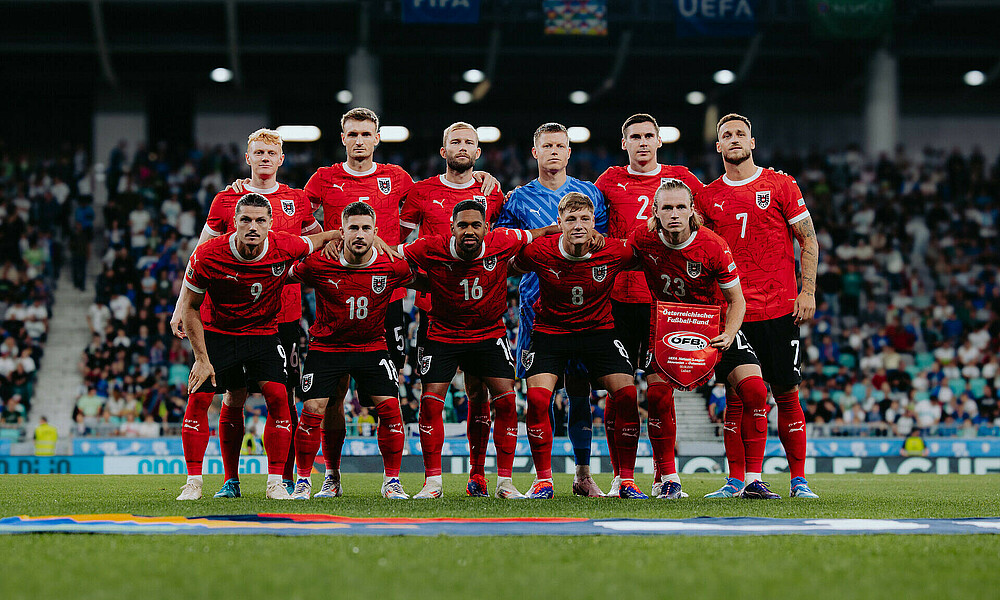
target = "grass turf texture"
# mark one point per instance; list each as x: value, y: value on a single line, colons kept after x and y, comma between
x: 111, y: 566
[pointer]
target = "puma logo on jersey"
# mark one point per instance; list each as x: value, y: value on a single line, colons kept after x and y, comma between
x: 438, y: 202
x: 335, y: 284
x: 339, y: 186
x: 535, y: 210
x: 622, y: 185
x: 720, y: 205
x: 655, y: 259
x: 233, y: 277
x: 554, y: 272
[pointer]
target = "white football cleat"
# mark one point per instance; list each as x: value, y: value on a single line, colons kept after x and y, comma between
x: 331, y: 488
x: 657, y: 488
x: 393, y: 490
x: 191, y: 491
x: 303, y: 488
x: 432, y: 489
x: 616, y: 485
x: 276, y: 490
x: 507, y: 491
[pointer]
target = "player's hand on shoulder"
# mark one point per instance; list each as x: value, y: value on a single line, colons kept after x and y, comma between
x: 487, y: 181
x: 597, y: 241
x: 722, y: 341
x: 238, y: 186
x: 201, y: 371
x: 331, y: 250
x: 778, y: 171
x: 386, y: 249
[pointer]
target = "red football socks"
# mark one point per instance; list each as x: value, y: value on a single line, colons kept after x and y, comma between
x: 289, y: 470
x: 732, y: 436
x: 505, y: 432
x: 540, y: 430
x: 231, y: 430
x: 792, y: 431
x: 431, y: 423
x: 308, y: 436
x: 609, y: 432
x: 278, y: 427
x: 478, y: 432
x: 194, y: 431
x: 390, y: 435
x: 626, y: 429
x: 662, y: 427
x: 754, y: 426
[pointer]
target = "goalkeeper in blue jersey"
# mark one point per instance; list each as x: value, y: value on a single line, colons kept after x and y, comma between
x: 535, y: 205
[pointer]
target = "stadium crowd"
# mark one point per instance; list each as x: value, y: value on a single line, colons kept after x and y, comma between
x: 905, y: 337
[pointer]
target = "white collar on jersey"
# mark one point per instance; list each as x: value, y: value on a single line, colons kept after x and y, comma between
x: 729, y: 181
x: 567, y: 255
x: 456, y: 186
x: 686, y: 243
x: 269, y: 190
x: 655, y: 173
x: 454, y: 252
x: 354, y: 173
x: 370, y: 262
x: 239, y: 257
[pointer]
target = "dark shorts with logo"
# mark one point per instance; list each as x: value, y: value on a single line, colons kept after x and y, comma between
x: 374, y: 373
x: 740, y: 353
x: 395, y: 332
x: 633, y: 326
x: 241, y: 359
x: 489, y: 358
x: 601, y: 352
x: 776, y: 342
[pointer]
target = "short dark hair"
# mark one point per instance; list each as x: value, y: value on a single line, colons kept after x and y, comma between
x: 468, y: 205
x: 357, y: 209
x: 732, y: 117
x: 255, y: 200
x: 359, y: 114
x: 639, y: 118
x: 549, y: 128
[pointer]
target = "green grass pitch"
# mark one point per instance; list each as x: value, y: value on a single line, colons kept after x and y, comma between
x: 140, y: 567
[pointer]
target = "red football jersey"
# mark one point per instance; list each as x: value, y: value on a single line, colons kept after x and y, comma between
x: 694, y: 272
x: 754, y: 217
x: 430, y: 203
x: 247, y: 292
x: 575, y: 293
x: 629, y: 195
x: 290, y: 213
x: 470, y: 296
x: 351, y: 300
x: 383, y: 187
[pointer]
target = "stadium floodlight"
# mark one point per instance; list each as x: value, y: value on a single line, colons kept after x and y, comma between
x: 974, y: 78
x: 221, y: 75
x: 669, y: 134
x: 393, y: 133
x: 344, y: 96
x: 695, y: 98
x: 462, y: 97
x: 474, y: 76
x: 579, y: 97
x: 299, y: 133
x: 488, y: 134
x: 578, y: 135
x: 724, y: 77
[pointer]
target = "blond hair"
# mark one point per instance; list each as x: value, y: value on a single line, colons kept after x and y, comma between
x: 268, y: 136
x: 575, y: 201
x: 455, y: 127
x: 359, y: 114
x: 673, y: 185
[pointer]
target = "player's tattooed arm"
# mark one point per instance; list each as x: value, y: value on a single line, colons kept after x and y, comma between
x: 202, y: 368
x: 488, y: 183
x: 805, y: 304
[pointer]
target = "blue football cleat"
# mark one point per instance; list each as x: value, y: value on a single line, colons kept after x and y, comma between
x: 628, y: 489
x: 800, y: 489
x: 732, y: 489
x: 671, y: 490
x: 759, y: 490
x: 289, y: 485
x: 541, y: 490
x: 478, y: 487
x: 230, y: 489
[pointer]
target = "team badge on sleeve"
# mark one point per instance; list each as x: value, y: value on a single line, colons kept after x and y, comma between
x: 307, y: 382
x: 278, y: 269
x: 378, y: 283
x: 384, y: 185
x: 490, y: 263
x: 600, y: 273
x: 763, y: 199
x: 288, y: 206
x: 693, y: 269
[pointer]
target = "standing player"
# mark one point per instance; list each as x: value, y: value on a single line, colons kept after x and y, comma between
x: 467, y: 274
x: 244, y: 272
x: 536, y: 205
x: 574, y: 322
x: 629, y: 193
x: 429, y: 207
x: 685, y: 263
x: 758, y: 212
x: 347, y: 340
x: 292, y: 214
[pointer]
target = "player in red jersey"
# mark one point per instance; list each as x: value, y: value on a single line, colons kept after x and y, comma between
x: 629, y: 192
x: 353, y: 292
x: 292, y: 214
x: 759, y: 212
x: 244, y: 272
x: 683, y: 262
x: 573, y: 320
x: 467, y: 275
x: 429, y: 207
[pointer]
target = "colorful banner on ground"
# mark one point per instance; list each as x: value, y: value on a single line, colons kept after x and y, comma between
x: 852, y: 19
x: 440, y: 11
x: 716, y: 18
x: 576, y: 17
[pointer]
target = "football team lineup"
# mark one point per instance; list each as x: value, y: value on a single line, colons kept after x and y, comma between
x: 645, y: 269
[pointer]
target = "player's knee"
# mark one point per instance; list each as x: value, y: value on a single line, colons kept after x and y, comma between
x: 539, y: 399
x: 316, y: 405
x: 235, y: 398
x: 753, y: 391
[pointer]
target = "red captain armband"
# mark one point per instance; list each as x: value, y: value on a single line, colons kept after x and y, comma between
x: 682, y: 349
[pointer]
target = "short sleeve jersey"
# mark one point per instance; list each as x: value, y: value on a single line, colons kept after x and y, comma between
x: 629, y: 194
x: 470, y: 296
x: 290, y: 213
x: 351, y: 300
x: 754, y: 217
x: 247, y: 292
x: 575, y: 291
x: 383, y: 187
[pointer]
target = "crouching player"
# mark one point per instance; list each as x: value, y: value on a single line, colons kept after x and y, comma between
x: 244, y: 273
x: 573, y: 322
x: 687, y: 263
x: 353, y: 292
